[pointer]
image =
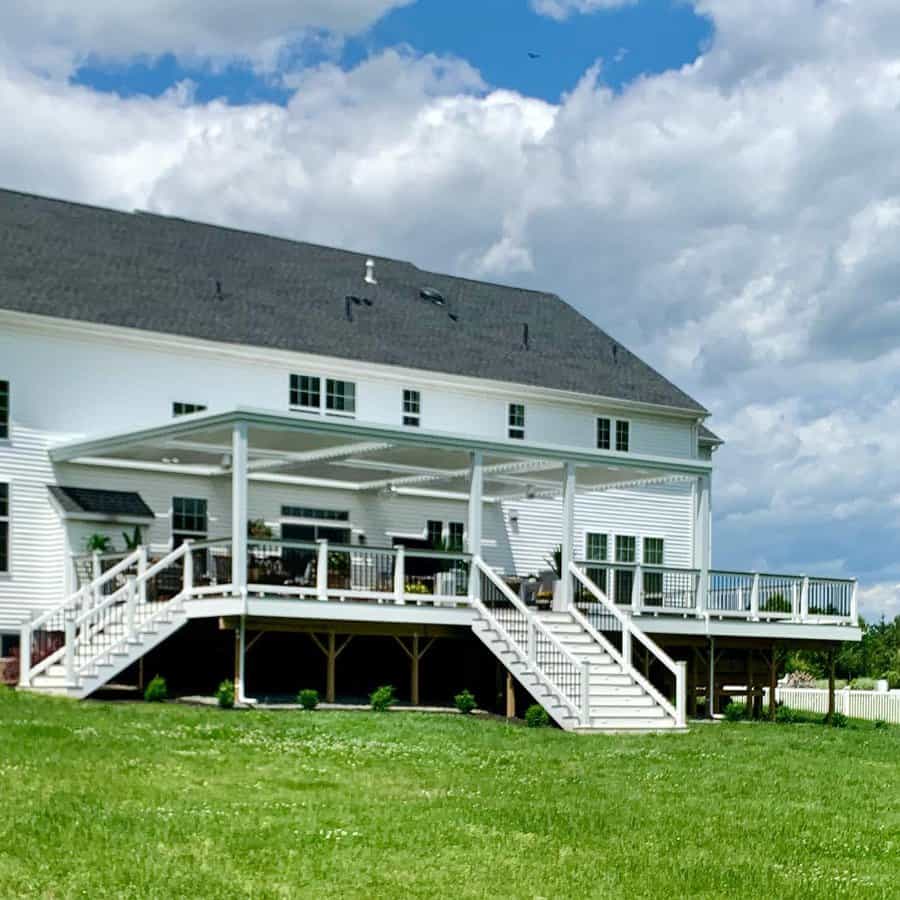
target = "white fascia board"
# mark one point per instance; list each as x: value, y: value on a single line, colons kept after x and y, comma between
x: 282, y: 421
x: 290, y: 360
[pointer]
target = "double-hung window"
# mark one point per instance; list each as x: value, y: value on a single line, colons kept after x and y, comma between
x: 626, y: 546
x: 189, y: 520
x: 434, y: 533
x: 185, y: 409
x: 306, y: 392
x: 4, y: 528
x: 517, y: 421
x: 455, y: 532
x: 340, y: 396
x: 412, y: 408
x: 4, y: 410
x: 608, y: 428
x: 596, y: 549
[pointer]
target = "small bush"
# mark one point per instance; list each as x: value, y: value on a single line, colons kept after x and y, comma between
x: 225, y: 694
x: 308, y: 698
x: 734, y: 712
x: 837, y: 720
x: 784, y: 715
x: 382, y: 698
x: 892, y: 676
x: 536, y: 716
x: 799, y: 679
x: 156, y: 690
x: 465, y: 702
x: 862, y: 684
x: 881, y: 725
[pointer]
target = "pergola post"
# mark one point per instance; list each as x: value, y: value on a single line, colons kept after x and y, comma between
x: 239, y: 517
x: 476, y: 491
x: 702, y: 538
x: 568, y: 536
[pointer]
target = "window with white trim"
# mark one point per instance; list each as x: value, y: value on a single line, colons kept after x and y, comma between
x: 625, y: 548
x: 595, y: 546
x: 517, y: 421
x: 434, y: 533
x: 608, y: 428
x: 412, y: 408
x: 653, y: 551
x: 340, y: 396
x: 306, y: 392
x: 185, y: 409
x: 455, y: 536
x: 4, y: 527
x: 189, y: 520
x: 4, y: 410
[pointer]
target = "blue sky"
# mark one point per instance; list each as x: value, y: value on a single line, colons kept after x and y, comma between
x: 495, y: 37
x: 722, y: 194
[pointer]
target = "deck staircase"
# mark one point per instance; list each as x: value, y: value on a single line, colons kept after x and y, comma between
x: 105, y: 626
x: 584, y: 681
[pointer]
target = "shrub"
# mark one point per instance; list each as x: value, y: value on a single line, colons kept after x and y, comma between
x: 536, y: 716
x: 225, y: 694
x: 465, y: 702
x: 156, y: 690
x: 862, y: 684
x: 785, y: 715
x: 382, y: 698
x: 734, y: 712
x: 837, y: 720
x: 308, y: 698
x: 892, y: 676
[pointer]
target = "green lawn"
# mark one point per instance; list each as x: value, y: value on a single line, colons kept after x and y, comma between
x: 138, y: 800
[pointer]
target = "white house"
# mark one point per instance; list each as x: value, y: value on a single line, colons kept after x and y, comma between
x: 281, y: 438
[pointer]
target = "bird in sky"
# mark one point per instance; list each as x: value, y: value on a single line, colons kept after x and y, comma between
x: 533, y: 55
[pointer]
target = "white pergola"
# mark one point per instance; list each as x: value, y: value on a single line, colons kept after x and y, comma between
x: 298, y: 449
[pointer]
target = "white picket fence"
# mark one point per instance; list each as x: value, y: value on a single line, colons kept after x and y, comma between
x: 856, y: 704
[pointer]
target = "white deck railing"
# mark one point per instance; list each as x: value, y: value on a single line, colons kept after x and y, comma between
x: 648, y: 590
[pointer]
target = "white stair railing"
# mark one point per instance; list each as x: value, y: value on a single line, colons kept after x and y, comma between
x: 566, y: 676
x: 45, y: 635
x: 631, y: 631
x: 94, y: 634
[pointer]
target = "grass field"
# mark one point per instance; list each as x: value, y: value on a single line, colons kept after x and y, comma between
x: 140, y: 800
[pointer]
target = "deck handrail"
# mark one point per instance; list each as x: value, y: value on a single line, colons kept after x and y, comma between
x: 632, y: 630
x: 580, y: 710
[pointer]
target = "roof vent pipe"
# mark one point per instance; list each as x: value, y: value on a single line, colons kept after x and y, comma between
x: 370, y: 272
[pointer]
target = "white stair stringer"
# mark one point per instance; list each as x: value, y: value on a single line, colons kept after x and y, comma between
x: 104, y: 639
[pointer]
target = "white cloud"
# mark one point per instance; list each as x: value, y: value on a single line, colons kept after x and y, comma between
x: 562, y: 9
x: 56, y: 35
x: 880, y: 600
x: 734, y: 221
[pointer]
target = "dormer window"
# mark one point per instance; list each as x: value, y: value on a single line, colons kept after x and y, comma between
x: 412, y: 408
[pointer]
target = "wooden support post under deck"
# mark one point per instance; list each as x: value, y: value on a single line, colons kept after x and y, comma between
x: 711, y: 693
x: 773, y: 681
x: 332, y: 652
x: 510, y: 697
x: 749, y: 710
x: 415, y: 656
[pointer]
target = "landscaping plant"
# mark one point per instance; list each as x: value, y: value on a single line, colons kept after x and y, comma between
x: 225, y: 694
x: 156, y: 690
x: 734, y: 712
x: 464, y: 702
x: 382, y: 698
x: 536, y: 716
x: 308, y: 698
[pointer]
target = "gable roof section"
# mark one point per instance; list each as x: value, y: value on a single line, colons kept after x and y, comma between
x: 154, y: 273
x: 709, y: 437
x: 113, y: 504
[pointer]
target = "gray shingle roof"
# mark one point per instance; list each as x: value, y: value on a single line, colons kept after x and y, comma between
x: 100, y: 502
x: 155, y: 273
x: 709, y: 437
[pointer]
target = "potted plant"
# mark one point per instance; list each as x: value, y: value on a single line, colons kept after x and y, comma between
x: 258, y: 529
x: 555, y: 563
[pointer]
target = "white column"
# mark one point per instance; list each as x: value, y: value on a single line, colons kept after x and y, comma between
x: 239, y: 509
x: 568, y: 534
x: 703, y: 537
x: 476, y: 491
